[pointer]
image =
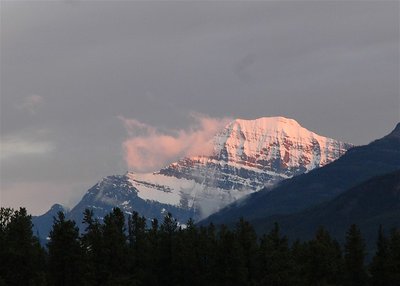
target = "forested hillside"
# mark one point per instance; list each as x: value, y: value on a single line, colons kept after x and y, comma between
x: 126, y: 252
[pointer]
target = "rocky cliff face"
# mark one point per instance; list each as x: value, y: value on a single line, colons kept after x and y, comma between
x: 248, y: 155
x: 276, y: 144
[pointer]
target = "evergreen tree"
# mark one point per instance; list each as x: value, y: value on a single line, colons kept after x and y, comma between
x: 93, y: 246
x: 186, y: 264
x: 115, y: 252
x: 22, y: 258
x: 355, y: 273
x: 150, y: 274
x: 207, y: 252
x: 169, y: 255
x: 323, y: 260
x: 247, y: 240
x: 379, y: 265
x: 5, y: 219
x: 300, y: 255
x: 393, y: 261
x: 275, y: 261
x: 136, y: 232
x: 169, y: 225
x: 230, y: 260
x: 65, y: 254
x: 138, y: 246
x: 167, y: 237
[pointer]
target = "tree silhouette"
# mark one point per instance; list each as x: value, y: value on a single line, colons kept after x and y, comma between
x: 355, y: 272
x: 65, y: 253
x: 22, y: 257
x: 142, y: 252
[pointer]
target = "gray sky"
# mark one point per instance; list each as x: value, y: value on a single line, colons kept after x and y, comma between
x: 73, y: 73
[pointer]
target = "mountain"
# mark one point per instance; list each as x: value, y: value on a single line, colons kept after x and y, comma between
x: 369, y: 204
x: 248, y: 156
x: 42, y: 224
x: 319, y: 185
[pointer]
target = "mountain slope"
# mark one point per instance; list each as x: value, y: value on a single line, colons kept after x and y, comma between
x: 319, y: 185
x: 42, y: 224
x: 248, y: 155
x: 370, y: 204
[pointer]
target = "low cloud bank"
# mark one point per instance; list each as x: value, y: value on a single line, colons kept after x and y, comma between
x: 22, y: 145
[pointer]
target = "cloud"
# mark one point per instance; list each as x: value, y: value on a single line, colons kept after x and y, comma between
x: 149, y: 149
x: 31, y: 103
x: 18, y: 145
x: 38, y: 196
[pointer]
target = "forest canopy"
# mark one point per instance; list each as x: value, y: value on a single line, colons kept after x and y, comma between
x: 124, y: 250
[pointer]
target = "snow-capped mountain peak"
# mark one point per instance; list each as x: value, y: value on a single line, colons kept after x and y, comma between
x: 248, y: 155
x: 281, y: 141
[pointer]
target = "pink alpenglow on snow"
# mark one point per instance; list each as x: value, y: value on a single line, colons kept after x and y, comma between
x: 198, y: 171
x: 267, y: 139
x: 253, y: 143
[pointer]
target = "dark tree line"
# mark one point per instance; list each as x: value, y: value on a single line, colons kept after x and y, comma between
x: 120, y: 251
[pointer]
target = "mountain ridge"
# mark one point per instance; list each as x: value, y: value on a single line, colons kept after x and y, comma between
x: 374, y: 202
x: 248, y: 155
x: 322, y: 184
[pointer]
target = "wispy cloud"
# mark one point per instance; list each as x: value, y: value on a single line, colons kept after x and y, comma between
x: 149, y: 149
x: 18, y: 145
x: 31, y: 103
